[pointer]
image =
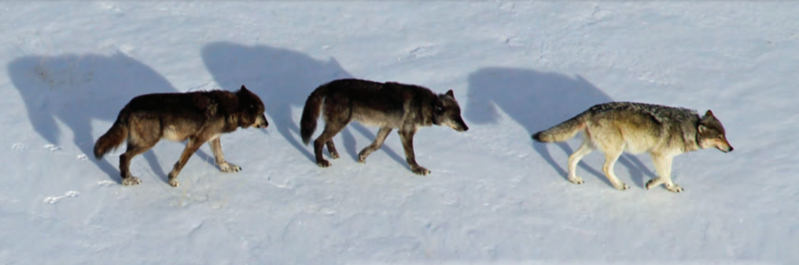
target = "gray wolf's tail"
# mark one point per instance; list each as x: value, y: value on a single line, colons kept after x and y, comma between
x: 563, y: 131
x: 310, y: 113
x: 114, y: 137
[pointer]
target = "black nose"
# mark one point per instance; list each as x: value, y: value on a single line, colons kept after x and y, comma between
x: 731, y: 148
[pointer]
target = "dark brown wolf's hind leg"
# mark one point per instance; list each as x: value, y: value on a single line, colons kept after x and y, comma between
x: 191, y: 147
x: 124, y: 163
x: 331, y: 129
x: 407, y: 143
x: 331, y: 147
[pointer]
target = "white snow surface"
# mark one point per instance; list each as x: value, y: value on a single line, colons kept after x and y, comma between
x: 494, y: 196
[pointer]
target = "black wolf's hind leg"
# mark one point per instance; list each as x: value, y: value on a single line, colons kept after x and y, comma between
x: 331, y: 147
x: 133, y: 150
x: 191, y: 147
x: 331, y: 129
x: 379, y: 139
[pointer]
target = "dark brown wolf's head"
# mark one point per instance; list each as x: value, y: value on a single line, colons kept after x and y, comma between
x: 447, y: 112
x: 711, y: 133
x: 252, y: 109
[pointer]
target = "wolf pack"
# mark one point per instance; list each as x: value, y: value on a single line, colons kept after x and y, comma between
x: 203, y: 116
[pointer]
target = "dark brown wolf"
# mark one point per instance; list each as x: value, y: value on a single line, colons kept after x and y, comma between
x: 198, y: 117
x: 386, y: 105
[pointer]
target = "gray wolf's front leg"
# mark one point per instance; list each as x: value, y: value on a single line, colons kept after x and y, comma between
x: 224, y: 166
x: 407, y: 143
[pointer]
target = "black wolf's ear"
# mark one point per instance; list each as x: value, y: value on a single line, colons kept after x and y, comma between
x: 243, y: 89
x: 449, y: 93
x: 709, y: 113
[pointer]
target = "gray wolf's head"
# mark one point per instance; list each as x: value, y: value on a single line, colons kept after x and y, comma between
x: 252, y: 109
x: 447, y: 112
x: 711, y: 133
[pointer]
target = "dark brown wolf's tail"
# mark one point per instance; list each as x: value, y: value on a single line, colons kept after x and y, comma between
x: 310, y: 113
x: 563, y: 131
x: 114, y: 137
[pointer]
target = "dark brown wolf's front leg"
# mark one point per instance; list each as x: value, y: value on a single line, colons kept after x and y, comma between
x: 224, y: 166
x: 191, y: 147
x: 407, y: 143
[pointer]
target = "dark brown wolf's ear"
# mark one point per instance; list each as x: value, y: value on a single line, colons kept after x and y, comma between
x: 449, y: 93
x: 243, y: 89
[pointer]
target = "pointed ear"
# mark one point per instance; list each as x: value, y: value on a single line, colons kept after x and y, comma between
x: 709, y: 113
x: 449, y: 93
x: 244, y: 88
x: 701, y: 128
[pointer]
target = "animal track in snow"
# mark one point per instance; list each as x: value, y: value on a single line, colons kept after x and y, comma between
x: 82, y: 157
x: 106, y: 183
x: 422, y: 51
x: 55, y: 199
x: 19, y: 147
x: 52, y: 148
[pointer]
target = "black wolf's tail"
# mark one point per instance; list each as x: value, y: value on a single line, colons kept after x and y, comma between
x: 563, y: 131
x: 310, y: 113
x: 114, y: 137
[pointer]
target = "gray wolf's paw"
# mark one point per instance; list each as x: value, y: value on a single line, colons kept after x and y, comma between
x: 621, y: 186
x: 576, y: 180
x: 174, y: 183
x: 362, y: 157
x: 131, y: 181
x: 421, y: 171
x: 334, y: 155
x: 228, y: 167
x: 674, y: 188
x: 323, y: 163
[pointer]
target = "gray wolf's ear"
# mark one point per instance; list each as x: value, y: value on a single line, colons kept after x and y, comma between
x: 449, y: 93
x: 709, y: 113
x: 701, y: 128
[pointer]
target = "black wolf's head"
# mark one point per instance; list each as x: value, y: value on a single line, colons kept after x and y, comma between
x: 252, y: 109
x: 447, y: 112
x: 711, y: 133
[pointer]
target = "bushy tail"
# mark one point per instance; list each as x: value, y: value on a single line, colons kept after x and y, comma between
x: 310, y: 113
x: 563, y: 131
x: 113, y: 138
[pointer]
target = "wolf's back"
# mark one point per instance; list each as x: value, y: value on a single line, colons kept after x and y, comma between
x: 563, y: 131
x: 114, y: 136
x: 310, y: 113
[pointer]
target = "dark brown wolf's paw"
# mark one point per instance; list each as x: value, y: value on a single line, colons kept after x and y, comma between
x: 228, y: 167
x: 131, y: 181
x: 421, y: 171
x: 323, y: 163
x: 334, y: 155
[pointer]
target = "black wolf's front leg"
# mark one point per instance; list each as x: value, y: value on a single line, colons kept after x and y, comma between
x: 224, y: 166
x: 407, y: 143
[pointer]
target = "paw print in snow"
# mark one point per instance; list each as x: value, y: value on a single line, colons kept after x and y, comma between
x: 19, y: 147
x: 55, y: 199
x: 52, y: 148
x: 82, y: 157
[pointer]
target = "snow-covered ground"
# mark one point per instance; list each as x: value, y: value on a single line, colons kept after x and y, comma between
x: 66, y: 69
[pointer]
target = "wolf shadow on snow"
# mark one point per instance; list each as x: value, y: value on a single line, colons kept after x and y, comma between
x: 76, y: 89
x: 282, y: 78
x: 537, y: 101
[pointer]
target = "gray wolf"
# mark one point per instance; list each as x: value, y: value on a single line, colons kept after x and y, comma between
x: 198, y: 117
x: 662, y: 131
x: 388, y: 106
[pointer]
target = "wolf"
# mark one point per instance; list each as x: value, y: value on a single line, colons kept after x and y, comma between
x: 389, y: 106
x: 662, y: 131
x: 198, y: 117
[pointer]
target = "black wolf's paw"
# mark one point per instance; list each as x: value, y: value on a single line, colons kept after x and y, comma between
x: 420, y: 171
x: 228, y: 167
x: 174, y: 183
x: 323, y: 163
x: 674, y: 188
x: 131, y: 181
